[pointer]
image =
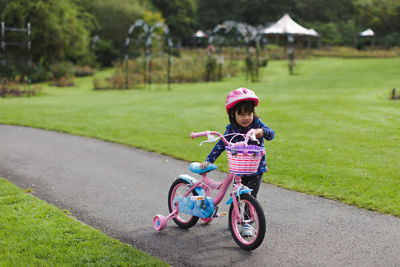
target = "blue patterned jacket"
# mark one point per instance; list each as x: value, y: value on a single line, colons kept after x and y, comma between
x: 269, y: 134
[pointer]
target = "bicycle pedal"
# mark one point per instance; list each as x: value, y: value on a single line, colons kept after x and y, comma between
x: 222, y: 214
x: 197, y: 197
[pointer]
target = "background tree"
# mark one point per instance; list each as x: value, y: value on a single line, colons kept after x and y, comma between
x: 180, y: 16
x: 82, y: 31
x: 324, y: 10
x: 338, y: 21
x: 60, y: 30
x: 383, y: 17
x: 113, y: 20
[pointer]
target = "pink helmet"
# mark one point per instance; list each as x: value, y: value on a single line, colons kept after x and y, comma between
x: 240, y: 94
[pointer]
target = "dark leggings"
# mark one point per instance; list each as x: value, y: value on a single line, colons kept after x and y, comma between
x: 253, y: 182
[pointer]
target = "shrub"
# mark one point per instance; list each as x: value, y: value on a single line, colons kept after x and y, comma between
x: 105, y: 52
x: 63, y: 82
x: 349, y: 52
x: 101, y: 84
x: 252, y: 68
x: 62, y: 69
x: 211, y: 69
x: 63, y: 74
x: 40, y: 73
x: 81, y: 71
x: 14, y: 89
x: 389, y: 40
x: 188, y: 66
x: 121, y: 81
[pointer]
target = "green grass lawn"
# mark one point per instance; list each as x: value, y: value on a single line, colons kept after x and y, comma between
x: 337, y: 134
x: 33, y: 233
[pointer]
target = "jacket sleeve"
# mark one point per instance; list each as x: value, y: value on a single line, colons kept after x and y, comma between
x: 218, y: 148
x: 269, y: 134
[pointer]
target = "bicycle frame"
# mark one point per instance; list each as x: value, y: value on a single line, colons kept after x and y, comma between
x: 207, y: 184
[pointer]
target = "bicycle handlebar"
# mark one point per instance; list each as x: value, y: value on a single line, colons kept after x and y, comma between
x: 250, y: 134
x: 199, y: 134
x: 208, y: 134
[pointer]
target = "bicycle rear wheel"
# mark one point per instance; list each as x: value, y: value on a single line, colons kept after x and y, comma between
x: 179, y: 189
x: 251, y: 216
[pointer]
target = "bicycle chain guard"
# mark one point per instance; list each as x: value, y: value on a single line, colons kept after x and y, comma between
x: 200, y: 206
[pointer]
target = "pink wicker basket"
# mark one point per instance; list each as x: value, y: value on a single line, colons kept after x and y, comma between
x: 244, y: 159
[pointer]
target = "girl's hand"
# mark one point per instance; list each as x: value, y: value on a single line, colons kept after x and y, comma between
x: 204, y: 164
x: 259, y: 133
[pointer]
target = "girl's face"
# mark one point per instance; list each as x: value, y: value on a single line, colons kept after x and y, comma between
x: 244, y: 118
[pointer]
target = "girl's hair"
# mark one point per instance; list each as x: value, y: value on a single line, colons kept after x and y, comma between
x: 242, y: 106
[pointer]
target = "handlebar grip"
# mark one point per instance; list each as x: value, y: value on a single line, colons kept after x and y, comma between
x: 196, y: 135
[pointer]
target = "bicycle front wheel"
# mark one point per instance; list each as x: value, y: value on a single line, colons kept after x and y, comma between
x: 248, y: 227
x: 179, y: 189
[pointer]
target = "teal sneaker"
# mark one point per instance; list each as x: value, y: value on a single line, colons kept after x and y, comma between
x: 247, y: 230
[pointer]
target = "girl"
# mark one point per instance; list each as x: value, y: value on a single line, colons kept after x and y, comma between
x: 240, y: 105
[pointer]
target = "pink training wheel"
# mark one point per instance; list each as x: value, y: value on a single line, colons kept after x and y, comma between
x: 207, y: 220
x: 159, y: 222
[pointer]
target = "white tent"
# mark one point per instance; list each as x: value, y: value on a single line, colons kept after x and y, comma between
x: 367, y: 32
x: 199, y: 34
x: 312, y: 32
x: 286, y: 25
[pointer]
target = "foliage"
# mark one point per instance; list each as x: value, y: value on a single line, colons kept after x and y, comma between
x: 256, y: 12
x: 381, y: 15
x: 190, y: 66
x: 39, y: 73
x: 105, y: 52
x: 102, y: 84
x: 93, y: 32
x: 80, y: 71
x: 336, y: 33
x: 59, y: 29
x: 338, y: 21
x: 62, y: 69
x: 180, y: 16
x: 341, y: 18
x: 324, y: 10
x: 348, y: 52
x: 389, y: 40
x: 211, y: 69
x: 17, y: 89
x: 152, y: 18
x: 113, y: 19
x: 252, y: 65
x: 63, y: 73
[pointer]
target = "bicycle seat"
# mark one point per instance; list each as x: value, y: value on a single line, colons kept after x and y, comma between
x: 195, y: 167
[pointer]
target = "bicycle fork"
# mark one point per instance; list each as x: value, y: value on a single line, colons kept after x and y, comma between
x: 236, y: 192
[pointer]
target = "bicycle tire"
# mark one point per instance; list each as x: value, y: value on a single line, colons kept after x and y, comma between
x: 256, y: 220
x: 182, y: 220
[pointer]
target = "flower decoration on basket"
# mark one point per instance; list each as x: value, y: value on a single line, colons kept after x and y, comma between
x: 244, y: 159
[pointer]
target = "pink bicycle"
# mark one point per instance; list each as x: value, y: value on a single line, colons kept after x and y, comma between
x: 189, y: 199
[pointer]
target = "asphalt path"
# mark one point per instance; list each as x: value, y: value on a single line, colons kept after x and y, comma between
x: 118, y: 190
